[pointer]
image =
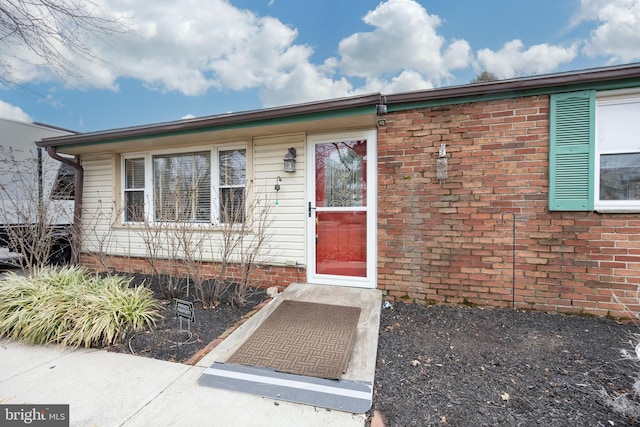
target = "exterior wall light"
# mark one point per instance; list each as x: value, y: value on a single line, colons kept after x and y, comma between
x: 442, y: 165
x: 290, y: 160
x: 381, y: 110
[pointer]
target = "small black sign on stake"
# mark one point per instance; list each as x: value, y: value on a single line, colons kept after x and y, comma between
x: 184, y: 310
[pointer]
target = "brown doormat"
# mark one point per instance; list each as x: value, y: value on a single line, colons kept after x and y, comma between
x: 303, y: 338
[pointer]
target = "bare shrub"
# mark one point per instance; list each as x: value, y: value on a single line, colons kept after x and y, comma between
x: 254, y: 245
x: 102, y: 239
x: 243, y: 244
x: 175, y: 246
x: 35, y: 221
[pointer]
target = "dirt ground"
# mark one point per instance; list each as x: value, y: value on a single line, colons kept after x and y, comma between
x: 458, y: 366
x: 463, y: 366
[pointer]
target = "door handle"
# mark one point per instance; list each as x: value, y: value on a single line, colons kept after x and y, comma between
x: 310, y: 209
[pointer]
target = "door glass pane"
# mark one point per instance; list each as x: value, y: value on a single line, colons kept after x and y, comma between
x: 341, y: 247
x: 341, y: 174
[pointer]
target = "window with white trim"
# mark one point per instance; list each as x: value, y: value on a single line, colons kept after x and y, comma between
x: 233, y: 175
x: 134, y: 189
x: 205, y: 186
x: 617, y: 151
x: 182, y: 187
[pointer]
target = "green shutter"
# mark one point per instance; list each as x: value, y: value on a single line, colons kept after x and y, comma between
x: 571, y: 151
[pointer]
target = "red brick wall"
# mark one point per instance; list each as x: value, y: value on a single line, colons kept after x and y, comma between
x: 262, y: 276
x: 446, y: 243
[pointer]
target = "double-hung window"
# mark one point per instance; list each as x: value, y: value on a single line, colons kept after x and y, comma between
x: 232, y: 178
x: 594, y: 157
x: 134, y: 189
x: 204, y: 186
x: 618, y: 151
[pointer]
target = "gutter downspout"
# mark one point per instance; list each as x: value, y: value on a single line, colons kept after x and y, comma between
x: 40, y: 181
x: 77, y: 208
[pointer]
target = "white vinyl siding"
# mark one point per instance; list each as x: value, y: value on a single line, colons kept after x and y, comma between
x: 104, y: 229
x: 287, y: 230
x: 99, y: 204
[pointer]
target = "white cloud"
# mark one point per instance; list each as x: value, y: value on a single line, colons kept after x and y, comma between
x: 618, y: 32
x: 404, y: 39
x: 514, y: 60
x: 304, y: 83
x: 188, y: 46
x: 407, y: 81
x: 198, y: 45
x: 11, y: 112
x: 195, y: 46
x: 402, y: 53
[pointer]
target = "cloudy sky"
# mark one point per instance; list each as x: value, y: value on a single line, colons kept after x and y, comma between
x: 189, y: 58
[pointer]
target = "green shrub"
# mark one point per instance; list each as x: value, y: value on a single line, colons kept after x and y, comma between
x: 71, y: 306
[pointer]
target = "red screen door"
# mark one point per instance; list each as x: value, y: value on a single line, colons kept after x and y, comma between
x: 341, y: 208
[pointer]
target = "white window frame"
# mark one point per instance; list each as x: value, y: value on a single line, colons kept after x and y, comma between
x: 149, y: 201
x: 123, y: 181
x: 614, y: 98
x: 216, y: 178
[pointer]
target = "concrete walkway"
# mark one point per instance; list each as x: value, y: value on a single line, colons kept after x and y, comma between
x: 112, y: 389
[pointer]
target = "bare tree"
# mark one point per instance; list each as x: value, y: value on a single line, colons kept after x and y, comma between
x: 51, y: 33
x: 485, y: 77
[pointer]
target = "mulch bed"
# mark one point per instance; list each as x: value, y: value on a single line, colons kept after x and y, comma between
x: 457, y: 366
x: 463, y: 366
x: 167, y: 341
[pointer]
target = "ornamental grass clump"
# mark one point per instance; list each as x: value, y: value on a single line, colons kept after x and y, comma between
x: 73, y: 307
x: 627, y: 404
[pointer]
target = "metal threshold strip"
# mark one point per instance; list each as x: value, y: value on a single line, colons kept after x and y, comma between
x: 348, y: 396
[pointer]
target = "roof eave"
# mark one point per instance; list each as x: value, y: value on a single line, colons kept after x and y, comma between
x: 212, y: 122
x: 573, y: 78
x: 547, y: 82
